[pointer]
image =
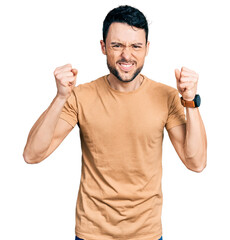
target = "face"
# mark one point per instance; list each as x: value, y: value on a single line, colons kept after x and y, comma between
x: 126, y: 50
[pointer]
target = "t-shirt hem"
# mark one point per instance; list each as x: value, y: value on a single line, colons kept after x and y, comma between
x: 87, y: 236
x: 169, y: 126
x: 70, y: 121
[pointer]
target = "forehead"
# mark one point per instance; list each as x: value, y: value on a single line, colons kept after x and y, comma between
x: 123, y: 32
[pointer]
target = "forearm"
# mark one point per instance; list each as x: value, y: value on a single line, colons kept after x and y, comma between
x: 195, y: 147
x: 41, y: 133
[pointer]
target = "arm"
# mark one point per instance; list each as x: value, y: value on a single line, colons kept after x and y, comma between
x: 47, y: 133
x: 190, y: 141
x: 49, y: 130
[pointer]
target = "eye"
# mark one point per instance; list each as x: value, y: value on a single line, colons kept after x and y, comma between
x: 116, y: 46
x: 136, y: 46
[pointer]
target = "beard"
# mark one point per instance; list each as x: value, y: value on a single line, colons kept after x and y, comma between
x: 114, y: 71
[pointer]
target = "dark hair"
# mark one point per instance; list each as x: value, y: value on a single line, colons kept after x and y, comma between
x: 125, y: 14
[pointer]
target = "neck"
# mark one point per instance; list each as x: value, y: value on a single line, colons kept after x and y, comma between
x: 116, y: 84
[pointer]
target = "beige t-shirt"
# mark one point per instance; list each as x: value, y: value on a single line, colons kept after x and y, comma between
x: 121, y: 134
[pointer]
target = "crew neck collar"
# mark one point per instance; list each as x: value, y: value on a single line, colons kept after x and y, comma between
x: 125, y: 93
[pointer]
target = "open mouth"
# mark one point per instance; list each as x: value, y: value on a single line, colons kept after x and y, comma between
x: 126, y: 66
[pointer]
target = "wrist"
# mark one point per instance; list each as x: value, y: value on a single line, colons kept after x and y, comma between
x: 60, y: 99
x: 194, y: 103
x: 187, y: 99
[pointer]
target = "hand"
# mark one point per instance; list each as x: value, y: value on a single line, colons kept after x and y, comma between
x: 186, y: 83
x: 65, y: 77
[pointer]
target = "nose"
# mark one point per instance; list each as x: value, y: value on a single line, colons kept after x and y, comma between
x: 126, y: 53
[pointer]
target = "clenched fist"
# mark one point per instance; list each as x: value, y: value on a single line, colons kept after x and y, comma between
x: 65, y: 77
x: 186, y: 83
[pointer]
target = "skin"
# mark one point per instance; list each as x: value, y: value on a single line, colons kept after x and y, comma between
x: 49, y: 130
x: 125, y: 44
x: 189, y: 140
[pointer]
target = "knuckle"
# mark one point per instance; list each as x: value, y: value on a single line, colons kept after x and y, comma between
x: 68, y: 65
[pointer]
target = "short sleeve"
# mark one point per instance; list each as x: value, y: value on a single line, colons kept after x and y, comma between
x: 70, y: 110
x: 176, y: 115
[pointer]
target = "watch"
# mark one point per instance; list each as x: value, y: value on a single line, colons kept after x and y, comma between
x: 191, y: 104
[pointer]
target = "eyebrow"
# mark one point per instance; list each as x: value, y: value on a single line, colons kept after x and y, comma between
x: 113, y: 43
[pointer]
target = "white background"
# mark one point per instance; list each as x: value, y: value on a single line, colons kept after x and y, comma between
x: 38, y: 201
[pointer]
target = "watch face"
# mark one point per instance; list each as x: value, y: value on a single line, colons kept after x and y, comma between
x: 197, y: 100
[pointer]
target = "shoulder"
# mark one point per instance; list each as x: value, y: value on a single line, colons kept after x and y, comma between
x: 88, y: 87
x: 161, y: 89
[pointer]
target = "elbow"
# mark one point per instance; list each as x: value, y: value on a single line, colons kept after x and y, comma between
x: 198, y: 168
x: 29, y: 160
x: 198, y: 162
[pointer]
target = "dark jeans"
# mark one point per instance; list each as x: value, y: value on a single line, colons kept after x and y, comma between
x: 77, y: 238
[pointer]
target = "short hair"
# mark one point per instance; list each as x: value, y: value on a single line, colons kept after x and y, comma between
x: 125, y: 14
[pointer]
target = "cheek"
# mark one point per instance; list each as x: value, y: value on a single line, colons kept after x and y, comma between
x: 113, y: 58
x: 141, y: 58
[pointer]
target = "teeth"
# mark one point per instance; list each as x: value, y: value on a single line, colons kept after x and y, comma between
x: 125, y: 65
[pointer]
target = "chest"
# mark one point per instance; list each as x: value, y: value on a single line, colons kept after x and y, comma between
x: 118, y: 120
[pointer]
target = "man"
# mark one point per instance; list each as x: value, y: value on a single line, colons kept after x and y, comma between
x: 121, y: 117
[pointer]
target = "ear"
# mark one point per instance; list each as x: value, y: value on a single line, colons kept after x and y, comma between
x: 103, y: 49
x: 147, y: 48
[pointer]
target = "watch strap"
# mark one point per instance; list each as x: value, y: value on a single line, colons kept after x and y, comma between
x: 190, y: 104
